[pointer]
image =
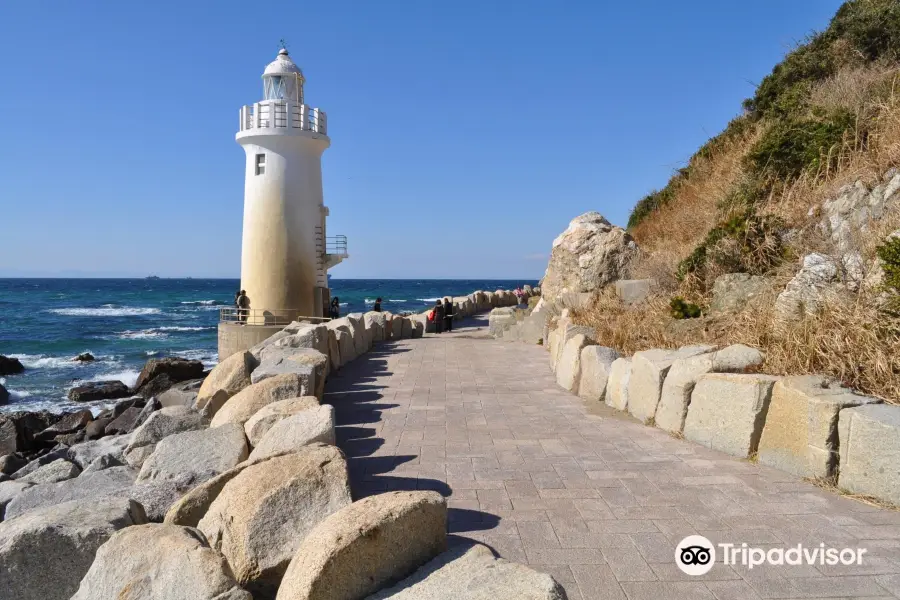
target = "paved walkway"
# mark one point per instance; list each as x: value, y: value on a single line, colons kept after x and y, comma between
x: 581, y: 492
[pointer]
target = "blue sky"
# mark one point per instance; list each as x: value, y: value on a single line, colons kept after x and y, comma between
x: 465, y: 135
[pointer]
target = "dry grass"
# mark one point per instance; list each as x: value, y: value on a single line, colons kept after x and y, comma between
x: 830, y: 484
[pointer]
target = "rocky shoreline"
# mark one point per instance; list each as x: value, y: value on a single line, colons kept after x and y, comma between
x: 229, y: 485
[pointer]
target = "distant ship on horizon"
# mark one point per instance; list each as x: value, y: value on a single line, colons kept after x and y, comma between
x: 152, y: 277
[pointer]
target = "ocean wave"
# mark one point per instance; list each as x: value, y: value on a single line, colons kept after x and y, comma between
x: 18, y: 394
x: 42, y: 361
x: 143, y: 334
x: 178, y: 328
x: 105, y: 311
x: 397, y: 300
x: 429, y: 300
x: 205, y: 302
x: 207, y: 357
x: 369, y: 301
x: 128, y: 377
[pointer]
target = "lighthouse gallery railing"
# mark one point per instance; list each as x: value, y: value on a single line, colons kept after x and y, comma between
x: 280, y: 114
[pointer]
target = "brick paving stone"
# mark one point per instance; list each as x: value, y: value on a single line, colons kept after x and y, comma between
x: 580, y: 491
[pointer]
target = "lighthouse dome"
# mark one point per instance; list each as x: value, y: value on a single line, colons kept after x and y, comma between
x: 282, y: 65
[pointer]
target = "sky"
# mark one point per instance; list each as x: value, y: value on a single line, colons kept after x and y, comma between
x: 464, y: 135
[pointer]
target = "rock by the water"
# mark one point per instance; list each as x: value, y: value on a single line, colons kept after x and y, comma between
x: 311, y: 365
x: 181, y: 394
x: 96, y: 429
x: 39, y: 461
x: 474, y: 574
x: 231, y: 376
x: 99, y: 390
x: 243, y: 405
x: 109, y: 482
x: 158, y: 496
x: 85, y: 453
x: 70, y: 423
x: 156, y: 386
x: 362, y: 547
x: 10, y: 463
x: 18, y: 430
x: 104, y: 461
x: 156, y: 562
x: 257, y: 426
x: 587, y: 256
x: 178, y: 369
x: 4, y: 395
x: 161, y: 424
x: 8, y: 491
x: 10, y: 366
x: 45, y: 553
x: 84, y: 357
x: 202, y: 454
x: 261, y: 516
x: 124, y: 423
x: 296, y: 431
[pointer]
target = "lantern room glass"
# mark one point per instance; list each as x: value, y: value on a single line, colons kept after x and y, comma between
x: 283, y: 87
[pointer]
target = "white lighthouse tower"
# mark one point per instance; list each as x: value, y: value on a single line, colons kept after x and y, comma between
x: 285, y: 254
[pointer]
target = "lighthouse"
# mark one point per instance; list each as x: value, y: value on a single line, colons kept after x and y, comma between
x: 285, y: 252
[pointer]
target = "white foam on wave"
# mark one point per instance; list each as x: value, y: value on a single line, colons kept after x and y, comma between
x: 144, y: 334
x: 18, y: 394
x: 207, y: 357
x: 128, y: 377
x: 42, y: 361
x: 176, y: 328
x: 205, y: 302
x: 396, y: 300
x: 105, y: 311
x: 430, y: 300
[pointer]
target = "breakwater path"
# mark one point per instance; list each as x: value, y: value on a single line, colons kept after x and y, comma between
x: 580, y: 491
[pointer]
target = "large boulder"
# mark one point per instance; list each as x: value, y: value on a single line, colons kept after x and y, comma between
x: 159, y: 495
x: 296, y: 431
x: 19, y: 430
x: 85, y: 453
x: 568, y: 367
x: 261, y: 516
x: 473, y: 574
x: 310, y: 365
x: 42, y: 460
x: 58, y: 470
x: 801, y: 431
x: 596, y: 365
x: 8, y: 491
x: 727, y: 412
x: 811, y: 287
x: 100, y: 484
x: 44, y: 554
x: 257, y: 426
x: 870, y: 451
x: 684, y: 374
x: 177, y: 369
x: 341, y: 349
x: 243, y: 405
x: 733, y: 291
x: 99, y: 390
x: 229, y: 376
x: 362, y: 547
x: 356, y: 323
x: 161, y: 424
x: 587, y: 256
x: 617, y: 384
x: 648, y: 371
x: 500, y: 320
x: 375, y: 324
x: 156, y: 562
x: 181, y: 394
x: 4, y: 395
x: 202, y: 454
x: 10, y: 366
x: 69, y: 423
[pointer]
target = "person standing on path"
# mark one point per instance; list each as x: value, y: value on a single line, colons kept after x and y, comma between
x: 448, y: 315
x: 243, y: 303
x: 335, y: 311
x: 438, y: 317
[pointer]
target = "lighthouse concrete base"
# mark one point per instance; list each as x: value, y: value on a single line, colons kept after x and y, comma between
x: 235, y: 337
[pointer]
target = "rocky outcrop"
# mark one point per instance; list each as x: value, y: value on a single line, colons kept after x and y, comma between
x: 4, y: 395
x: 44, y: 554
x: 261, y: 516
x: 801, y: 431
x: 99, y: 390
x: 732, y: 292
x: 8, y: 491
x: 263, y: 420
x: 243, y: 405
x: 181, y: 394
x: 360, y: 548
x: 296, y: 431
x: 229, y: 376
x: 199, y: 454
x: 177, y: 369
x: 474, y: 574
x: 869, y: 450
x: 100, y: 484
x: 816, y: 282
x: 10, y: 366
x: 69, y: 423
x: 728, y: 411
x: 159, y: 561
x: 587, y: 256
x: 84, y: 357
x: 58, y: 470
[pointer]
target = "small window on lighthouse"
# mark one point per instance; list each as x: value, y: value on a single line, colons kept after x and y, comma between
x: 260, y: 164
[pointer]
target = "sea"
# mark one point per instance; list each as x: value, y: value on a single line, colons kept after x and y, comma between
x: 124, y: 322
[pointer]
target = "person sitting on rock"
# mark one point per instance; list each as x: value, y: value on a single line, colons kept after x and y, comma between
x: 377, y: 307
x: 448, y: 315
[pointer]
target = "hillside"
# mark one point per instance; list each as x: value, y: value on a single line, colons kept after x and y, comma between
x: 803, y: 169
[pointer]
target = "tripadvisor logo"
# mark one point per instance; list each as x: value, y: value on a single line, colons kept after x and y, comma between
x: 696, y: 555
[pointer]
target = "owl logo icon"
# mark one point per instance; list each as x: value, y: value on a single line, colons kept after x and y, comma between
x: 695, y: 555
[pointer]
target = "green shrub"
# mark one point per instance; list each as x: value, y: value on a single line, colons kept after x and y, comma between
x: 889, y: 253
x: 795, y: 144
x: 651, y: 203
x: 681, y: 309
x: 745, y: 243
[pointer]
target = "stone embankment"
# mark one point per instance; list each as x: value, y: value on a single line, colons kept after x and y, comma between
x: 807, y: 425
x: 235, y: 490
